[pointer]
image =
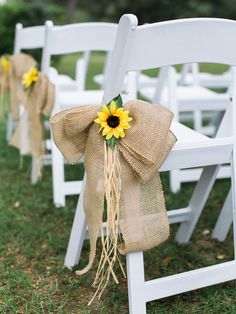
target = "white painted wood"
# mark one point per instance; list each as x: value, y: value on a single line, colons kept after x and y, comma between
x: 101, y: 40
x: 224, y: 221
x: 58, y: 177
x: 117, y: 68
x: 197, y: 203
x: 135, y: 272
x: 78, y: 233
x: 10, y: 127
x: 190, y: 280
x: 193, y: 175
x: 81, y: 71
x: 188, y: 38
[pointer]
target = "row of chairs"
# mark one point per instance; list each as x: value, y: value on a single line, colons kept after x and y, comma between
x: 181, y: 99
x: 131, y: 49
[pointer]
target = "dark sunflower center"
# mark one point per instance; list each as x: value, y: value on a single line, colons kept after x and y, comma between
x: 113, y: 121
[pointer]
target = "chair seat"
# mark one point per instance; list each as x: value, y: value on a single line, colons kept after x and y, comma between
x: 66, y: 83
x: 194, y: 149
x: 215, y: 80
x: 143, y: 80
x: 191, y: 97
x: 185, y: 134
x: 71, y: 98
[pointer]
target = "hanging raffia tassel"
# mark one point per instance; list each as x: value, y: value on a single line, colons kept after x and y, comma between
x: 110, y: 243
x: 123, y: 170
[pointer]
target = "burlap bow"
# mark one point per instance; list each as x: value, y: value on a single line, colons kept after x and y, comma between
x: 19, y: 64
x: 39, y: 101
x: 143, y: 220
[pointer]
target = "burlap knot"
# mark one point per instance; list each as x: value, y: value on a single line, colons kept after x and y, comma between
x: 143, y: 219
x: 39, y: 101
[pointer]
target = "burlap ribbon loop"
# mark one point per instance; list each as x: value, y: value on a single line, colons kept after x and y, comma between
x: 143, y: 220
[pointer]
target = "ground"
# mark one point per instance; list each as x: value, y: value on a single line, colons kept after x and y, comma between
x: 34, y: 236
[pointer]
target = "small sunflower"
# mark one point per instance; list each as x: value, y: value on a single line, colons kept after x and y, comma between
x: 113, y: 121
x: 5, y: 64
x: 30, y: 77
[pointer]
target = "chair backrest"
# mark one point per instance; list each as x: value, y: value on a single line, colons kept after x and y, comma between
x: 28, y: 37
x: 80, y: 37
x: 168, y: 43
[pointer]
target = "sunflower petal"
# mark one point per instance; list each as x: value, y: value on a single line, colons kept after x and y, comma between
x: 98, y: 121
x: 106, y: 110
x: 122, y: 134
x: 115, y: 133
x: 113, y: 107
x: 103, y: 116
x: 119, y: 112
x: 125, y: 126
x: 119, y: 129
x: 106, y: 130
x: 109, y: 135
x: 104, y: 124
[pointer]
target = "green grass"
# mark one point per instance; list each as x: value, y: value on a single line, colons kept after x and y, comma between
x: 34, y: 236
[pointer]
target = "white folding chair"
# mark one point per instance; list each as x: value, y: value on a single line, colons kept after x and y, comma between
x: 209, y: 80
x: 29, y: 38
x: 61, y: 40
x: 155, y: 46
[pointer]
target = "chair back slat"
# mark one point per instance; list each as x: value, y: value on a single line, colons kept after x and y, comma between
x: 207, y: 40
x: 28, y: 37
x: 168, y: 43
x: 80, y: 37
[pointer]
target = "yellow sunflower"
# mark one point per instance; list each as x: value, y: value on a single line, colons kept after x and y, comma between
x: 30, y: 77
x: 113, y: 121
x: 5, y: 64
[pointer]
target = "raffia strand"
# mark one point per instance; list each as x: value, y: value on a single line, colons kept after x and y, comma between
x: 110, y: 254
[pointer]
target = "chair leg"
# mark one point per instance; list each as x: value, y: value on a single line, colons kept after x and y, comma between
x: 34, y: 171
x: 135, y: 278
x: 175, y: 183
x: 197, y: 117
x: 224, y: 220
x: 233, y: 183
x: 77, y: 235
x: 58, y: 177
x: 10, y: 127
x: 197, y: 202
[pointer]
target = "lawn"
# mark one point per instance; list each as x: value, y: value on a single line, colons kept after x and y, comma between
x: 34, y: 236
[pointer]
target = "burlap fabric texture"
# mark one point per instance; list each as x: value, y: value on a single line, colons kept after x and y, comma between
x: 143, y: 219
x: 39, y: 101
x: 19, y: 65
